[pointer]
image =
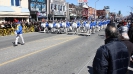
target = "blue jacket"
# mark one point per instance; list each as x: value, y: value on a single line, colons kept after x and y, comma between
x: 100, y: 23
x: 78, y: 24
x: 19, y: 29
x: 54, y: 24
x: 68, y: 24
x: 47, y: 24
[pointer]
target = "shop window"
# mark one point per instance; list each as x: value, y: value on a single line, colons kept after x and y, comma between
x: 15, y: 2
x: 59, y: 7
x: 63, y: 8
x: 51, y: 6
x: 55, y: 7
x: 12, y: 2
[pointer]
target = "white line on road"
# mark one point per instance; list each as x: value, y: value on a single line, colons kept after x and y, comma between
x: 91, y: 58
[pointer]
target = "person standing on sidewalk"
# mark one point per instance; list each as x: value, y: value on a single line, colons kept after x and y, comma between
x: 113, y: 57
x: 19, y: 32
x: 130, y: 32
x: 125, y: 39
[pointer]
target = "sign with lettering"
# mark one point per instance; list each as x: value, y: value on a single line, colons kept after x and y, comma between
x: 58, y: 12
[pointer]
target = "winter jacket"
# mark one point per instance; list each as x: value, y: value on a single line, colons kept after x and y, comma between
x: 111, y: 58
x: 129, y: 46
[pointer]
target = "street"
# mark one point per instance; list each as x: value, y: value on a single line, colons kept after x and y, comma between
x: 49, y: 54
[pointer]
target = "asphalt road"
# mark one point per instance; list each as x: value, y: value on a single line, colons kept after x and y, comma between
x: 50, y: 54
x: 6, y: 41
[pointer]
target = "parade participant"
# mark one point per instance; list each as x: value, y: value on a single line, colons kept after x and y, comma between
x: 125, y: 39
x: 100, y: 24
x: 88, y: 28
x: 113, y: 57
x: 44, y: 24
x: 64, y: 26
x: 75, y: 26
x: 97, y: 26
x: 93, y: 26
x: 19, y: 32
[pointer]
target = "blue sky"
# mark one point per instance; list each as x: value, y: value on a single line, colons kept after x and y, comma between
x: 115, y: 5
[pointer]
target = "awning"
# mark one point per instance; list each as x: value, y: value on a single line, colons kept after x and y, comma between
x: 25, y: 10
x: 6, y: 9
x: 73, y: 14
x: 15, y: 16
x: 85, y: 6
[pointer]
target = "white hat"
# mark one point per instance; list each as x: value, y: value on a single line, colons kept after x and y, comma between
x: 124, y: 32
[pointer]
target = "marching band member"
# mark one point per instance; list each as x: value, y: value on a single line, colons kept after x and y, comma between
x: 97, y: 26
x: 93, y: 26
x: 88, y: 28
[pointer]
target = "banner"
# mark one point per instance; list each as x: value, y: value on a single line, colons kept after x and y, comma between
x: 82, y: 1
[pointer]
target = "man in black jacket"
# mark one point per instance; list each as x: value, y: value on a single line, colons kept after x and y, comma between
x: 113, y: 57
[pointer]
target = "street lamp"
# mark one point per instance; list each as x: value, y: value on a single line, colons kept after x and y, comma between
x: 95, y: 10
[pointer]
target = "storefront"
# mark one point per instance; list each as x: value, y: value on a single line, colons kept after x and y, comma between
x: 8, y: 13
x: 14, y: 9
x: 57, y: 10
x: 38, y: 9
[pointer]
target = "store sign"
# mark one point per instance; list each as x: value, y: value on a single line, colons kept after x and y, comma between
x: 41, y: 14
x: 58, y: 12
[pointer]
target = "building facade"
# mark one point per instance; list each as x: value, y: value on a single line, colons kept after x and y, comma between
x: 101, y: 13
x: 57, y: 9
x: 85, y: 11
x: 91, y: 13
x: 38, y: 9
x: 72, y: 11
x: 67, y: 11
x: 14, y: 9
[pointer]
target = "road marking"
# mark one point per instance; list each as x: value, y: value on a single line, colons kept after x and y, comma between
x: 4, y: 63
x: 91, y: 58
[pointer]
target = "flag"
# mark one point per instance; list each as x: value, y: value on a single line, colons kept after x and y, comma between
x: 82, y: 1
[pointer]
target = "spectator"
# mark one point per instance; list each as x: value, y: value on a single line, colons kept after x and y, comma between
x: 2, y: 25
x: 125, y: 38
x: 113, y: 57
x: 130, y: 32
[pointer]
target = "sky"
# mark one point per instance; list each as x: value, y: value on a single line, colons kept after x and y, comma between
x: 115, y: 5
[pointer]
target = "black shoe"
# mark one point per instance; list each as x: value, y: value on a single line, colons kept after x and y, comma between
x: 22, y: 44
x: 15, y: 45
